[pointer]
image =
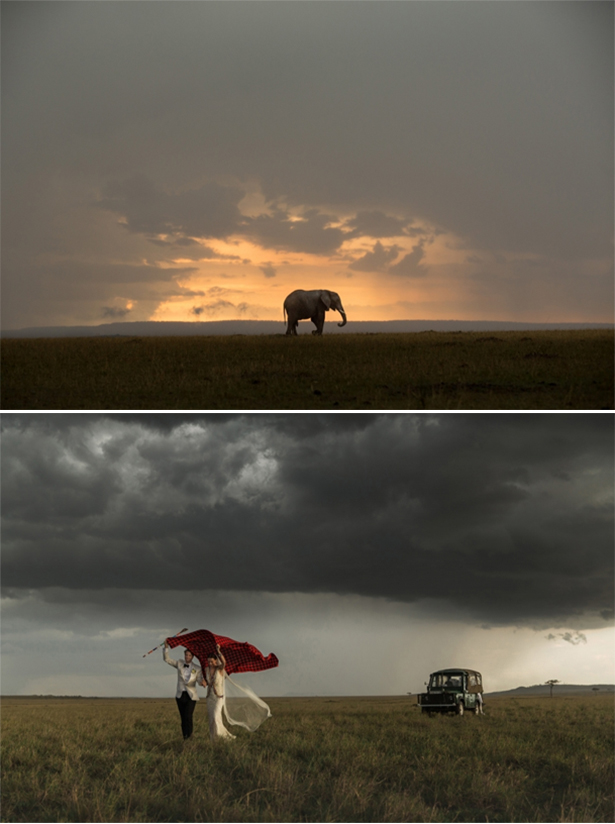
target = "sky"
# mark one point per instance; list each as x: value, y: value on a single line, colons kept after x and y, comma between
x: 364, y: 550
x: 201, y: 160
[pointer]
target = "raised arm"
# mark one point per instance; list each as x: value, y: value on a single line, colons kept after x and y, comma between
x: 165, y: 655
x: 220, y: 656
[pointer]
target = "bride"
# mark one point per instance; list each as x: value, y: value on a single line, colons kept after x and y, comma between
x: 214, y: 679
x: 241, y: 706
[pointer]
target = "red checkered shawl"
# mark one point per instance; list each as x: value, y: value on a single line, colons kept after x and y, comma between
x: 240, y: 657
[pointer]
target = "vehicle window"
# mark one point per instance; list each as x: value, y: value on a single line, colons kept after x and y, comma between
x: 472, y: 681
x: 447, y: 682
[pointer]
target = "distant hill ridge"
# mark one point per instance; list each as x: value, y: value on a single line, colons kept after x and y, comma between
x: 272, y: 327
x: 559, y: 689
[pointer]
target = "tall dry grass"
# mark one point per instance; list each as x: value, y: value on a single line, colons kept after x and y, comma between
x: 427, y: 370
x: 337, y: 759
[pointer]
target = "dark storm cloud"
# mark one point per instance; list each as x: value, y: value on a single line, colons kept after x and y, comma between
x: 208, y: 212
x: 505, y: 517
x: 310, y: 234
x: 114, y: 312
x: 376, y: 224
x: 377, y: 260
x: 410, y: 264
x: 212, y: 212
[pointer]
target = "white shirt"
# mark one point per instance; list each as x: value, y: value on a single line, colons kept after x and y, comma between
x: 186, y: 670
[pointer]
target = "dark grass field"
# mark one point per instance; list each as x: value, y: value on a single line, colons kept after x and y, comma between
x: 317, y: 759
x: 426, y: 370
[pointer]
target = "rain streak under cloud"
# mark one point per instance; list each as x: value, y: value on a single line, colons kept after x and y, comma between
x: 195, y: 161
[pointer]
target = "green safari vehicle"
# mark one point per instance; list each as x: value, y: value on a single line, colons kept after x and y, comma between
x: 452, y: 690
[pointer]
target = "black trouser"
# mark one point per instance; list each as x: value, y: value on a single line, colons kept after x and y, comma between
x: 186, y: 706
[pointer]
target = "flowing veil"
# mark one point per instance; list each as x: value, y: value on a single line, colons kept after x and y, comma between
x: 243, y: 707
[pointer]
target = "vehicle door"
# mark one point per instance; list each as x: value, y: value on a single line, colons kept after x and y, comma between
x: 471, y: 683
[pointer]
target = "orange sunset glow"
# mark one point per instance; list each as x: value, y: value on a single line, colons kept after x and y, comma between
x: 252, y: 283
x: 427, y: 161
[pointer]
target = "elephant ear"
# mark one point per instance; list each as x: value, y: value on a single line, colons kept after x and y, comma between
x: 325, y: 298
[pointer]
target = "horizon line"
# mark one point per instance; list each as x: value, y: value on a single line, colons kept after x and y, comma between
x: 409, y: 695
x: 246, y: 321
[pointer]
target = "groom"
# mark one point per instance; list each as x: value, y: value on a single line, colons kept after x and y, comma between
x: 188, y: 675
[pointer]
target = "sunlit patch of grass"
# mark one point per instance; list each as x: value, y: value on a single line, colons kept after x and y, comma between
x: 314, y: 760
x: 427, y: 370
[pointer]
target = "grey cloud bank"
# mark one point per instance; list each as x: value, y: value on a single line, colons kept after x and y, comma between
x: 489, y: 121
x: 503, y: 519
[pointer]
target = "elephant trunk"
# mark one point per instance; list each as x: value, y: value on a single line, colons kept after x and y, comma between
x: 343, y: 314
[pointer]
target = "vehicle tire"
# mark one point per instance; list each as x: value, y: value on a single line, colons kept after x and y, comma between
x: 460, y: 708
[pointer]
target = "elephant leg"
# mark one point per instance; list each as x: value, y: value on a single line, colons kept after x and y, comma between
x: 318, y: 319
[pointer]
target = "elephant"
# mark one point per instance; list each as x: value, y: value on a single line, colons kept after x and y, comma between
x: 300, y: 305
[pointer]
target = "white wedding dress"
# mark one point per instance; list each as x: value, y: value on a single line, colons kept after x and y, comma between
x: 241, y: 707
x: 215, y: 704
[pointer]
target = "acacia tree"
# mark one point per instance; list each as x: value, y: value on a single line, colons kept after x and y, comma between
x: 551, y: 684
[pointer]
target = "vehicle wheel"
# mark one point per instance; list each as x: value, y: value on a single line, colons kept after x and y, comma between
x: 460, y: 708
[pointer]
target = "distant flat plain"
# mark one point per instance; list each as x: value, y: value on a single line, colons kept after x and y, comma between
x: 317, y: 759
x: 538, y: 369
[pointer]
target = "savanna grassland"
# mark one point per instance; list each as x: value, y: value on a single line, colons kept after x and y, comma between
x: 319, y: 759
x: 425, y: 370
